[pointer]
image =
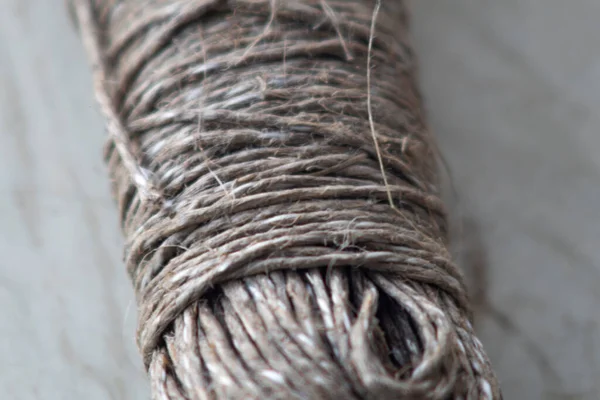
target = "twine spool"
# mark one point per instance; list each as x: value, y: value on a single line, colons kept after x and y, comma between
x: 277, y: 190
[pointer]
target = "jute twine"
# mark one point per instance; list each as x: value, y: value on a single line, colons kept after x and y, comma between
x: 277, y: 189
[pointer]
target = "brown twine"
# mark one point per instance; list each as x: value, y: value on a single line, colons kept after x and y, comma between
x: 277, y: 188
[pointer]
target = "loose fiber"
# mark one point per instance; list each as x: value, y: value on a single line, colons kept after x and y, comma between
x: 277, y: 189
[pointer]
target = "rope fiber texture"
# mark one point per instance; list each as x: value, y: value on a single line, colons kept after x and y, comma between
x: 278, y: 193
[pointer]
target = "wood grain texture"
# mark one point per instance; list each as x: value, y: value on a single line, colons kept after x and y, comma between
x: 513, y: 89
x: 68, y: 319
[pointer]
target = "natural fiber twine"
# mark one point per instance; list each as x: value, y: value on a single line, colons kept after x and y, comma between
x: 277, y: 188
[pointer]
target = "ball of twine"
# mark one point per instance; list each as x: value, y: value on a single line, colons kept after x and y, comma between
x: 277, y: 190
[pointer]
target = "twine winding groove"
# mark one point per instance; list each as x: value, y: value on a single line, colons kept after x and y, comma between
x: 277, y: 189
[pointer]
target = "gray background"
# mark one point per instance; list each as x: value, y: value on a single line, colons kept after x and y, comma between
x: 513, y: 93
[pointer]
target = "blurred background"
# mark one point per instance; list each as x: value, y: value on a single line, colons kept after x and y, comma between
x: 513, y: 94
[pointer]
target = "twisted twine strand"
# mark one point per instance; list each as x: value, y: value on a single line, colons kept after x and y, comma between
x: 284, y: 232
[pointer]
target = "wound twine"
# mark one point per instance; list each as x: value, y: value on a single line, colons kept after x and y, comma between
x: 277, y: 190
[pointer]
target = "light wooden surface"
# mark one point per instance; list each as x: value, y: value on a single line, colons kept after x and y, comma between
x: 68, y: 318
x: 513, y: 92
